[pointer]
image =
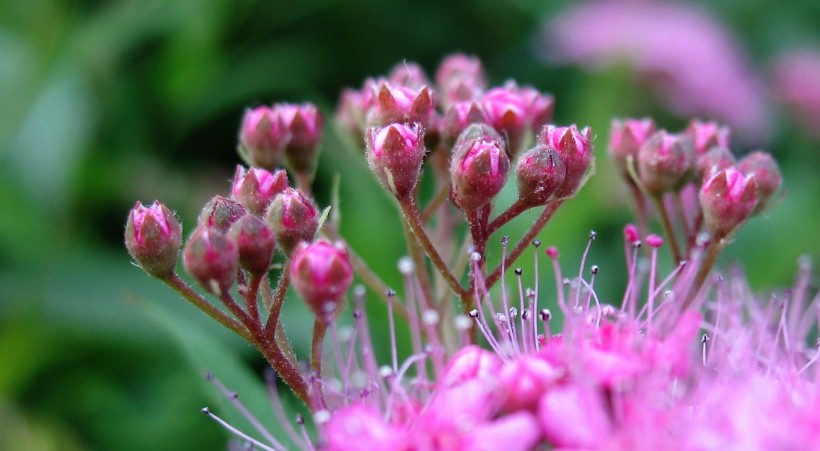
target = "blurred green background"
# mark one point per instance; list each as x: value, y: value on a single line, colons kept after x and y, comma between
x: 107, y: 102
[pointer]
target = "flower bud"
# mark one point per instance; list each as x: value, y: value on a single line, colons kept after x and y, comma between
x: 664, y: 161
x: 727, y: 199
x: 262, y: 138
x: 212, y: 258
x: 626, y: 137
x: 304, y: 125
x: 294, y: 217
x: 470, y: 362
x: 713, y: 161
x: 766, y: 173
x: 575, y: 149
x: 351, y: 113
x: 395, y: 154
x: 255, y: 241
x: 524, y: 380
x: 409, y: 74
x: 479, y: 167
x: 507, y: 112
x: 706, y: 135
x: 220, y: 213
x: 321, y: 274
x: 459, y: 116
x: 540, y: 173
x: 256, y: 188
x: 153, y: 237
x: 460, y: 78
x: 402, y: 104
x: 540, y: 107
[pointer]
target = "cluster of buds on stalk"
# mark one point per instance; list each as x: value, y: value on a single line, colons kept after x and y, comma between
x: 589, y: 386
x: 699, y: 190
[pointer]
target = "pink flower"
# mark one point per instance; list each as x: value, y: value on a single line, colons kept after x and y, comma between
x: 795, y: 77
x: 692, y: 60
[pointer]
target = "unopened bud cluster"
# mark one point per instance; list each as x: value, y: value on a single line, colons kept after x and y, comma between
x: 666, y: 165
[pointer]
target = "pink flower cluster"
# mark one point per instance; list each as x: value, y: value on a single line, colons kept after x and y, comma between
x: 691, y: 59
x: 687, y: 360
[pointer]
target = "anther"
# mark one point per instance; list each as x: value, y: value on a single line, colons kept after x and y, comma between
x: 545, y: 314
x: 536, y: 243
x: 357, y: 314
x: 505, y: 240
x: 594, y: 269
x: 390, y: 293
x: 519, y: 271
x: 525, y: 315
x: 300, y: 420
x: 321, y: 416
x: 593, y: 234
x: 473, y: 313
x: 513, y: 312
x: 406, y: 266
x: 475, y: 256
x: 704, y: 338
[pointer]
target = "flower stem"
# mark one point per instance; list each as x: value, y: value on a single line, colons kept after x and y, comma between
x: 319, y: 331
x: 509, y: 214
x: 411, y: 216
x: 211, y: 310
x: 668, y: 229
x: 712, y: 251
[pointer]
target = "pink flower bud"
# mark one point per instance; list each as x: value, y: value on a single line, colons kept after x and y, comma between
x: 408, y: 74
x: 766, y: 173
x: 574, y: 417
x: 294, y: 217
x: 304, y: 124
x: 713, y: 161
x: 220, y: 213
x: 626, y: 137
x: 664, y: 161
x: 479, y: 167
x: 212, y: 258
x: 524, y: 380
x: 575, y: 149
x: 631, y: 234
x: 459, y: 116
x: 256, y: 188
x: 727, y: 199
x: 471, y: 362
x: 706, y: 135
x: 507, y: 111
x: 552, y: 253
x: 654, y: 241
x: 402, y: 104
x: 256, y: 243
x: 352, y: 111
x: 321, y: 274
x: 153, y: 237
x: 395, y: 154
x: 540, y: 107
x: 540, y: 173
x: 263, y: 137
x: 460, y: 78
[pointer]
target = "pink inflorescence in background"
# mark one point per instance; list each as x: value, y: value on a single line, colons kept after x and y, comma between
x: 690, y: 359
x: 692, y: 60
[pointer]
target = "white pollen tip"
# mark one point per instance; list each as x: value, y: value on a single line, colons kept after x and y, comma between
x: 321, y: 416
x: 406, y: 266
x: 430, y: 317
x: 475, y: 256
x: 462, y: 322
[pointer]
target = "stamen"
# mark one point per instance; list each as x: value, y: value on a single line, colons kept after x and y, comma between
x: 234, y: 399
x: 592, y: 235
x: 279, y: 409
x: 393, y: 349
x: 300, y: 420
x: 239, y: 433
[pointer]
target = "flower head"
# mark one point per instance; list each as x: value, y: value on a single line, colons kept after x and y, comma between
x: 321, y: 274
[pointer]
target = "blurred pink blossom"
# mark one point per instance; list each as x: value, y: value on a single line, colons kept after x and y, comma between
x: 689, y: 57
x: 796, y: 80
